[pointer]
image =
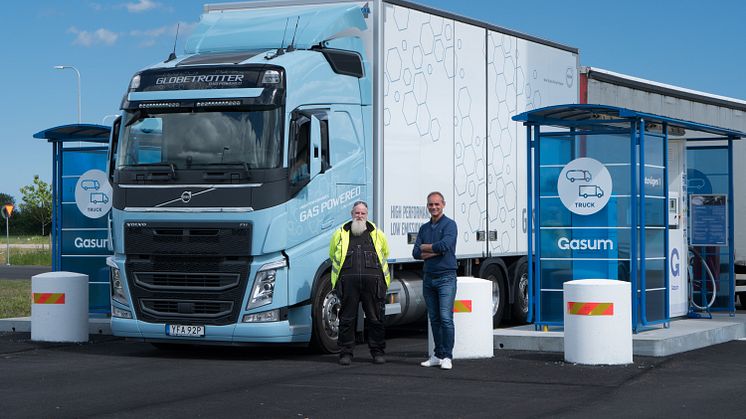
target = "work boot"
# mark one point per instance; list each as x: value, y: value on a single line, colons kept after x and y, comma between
x: 379, y: 359
x: 345, y: 360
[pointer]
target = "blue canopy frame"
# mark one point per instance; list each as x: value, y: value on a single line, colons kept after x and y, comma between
x: 591, y: 119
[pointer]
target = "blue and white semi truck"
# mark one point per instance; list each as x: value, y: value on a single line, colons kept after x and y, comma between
x: 233, y: 163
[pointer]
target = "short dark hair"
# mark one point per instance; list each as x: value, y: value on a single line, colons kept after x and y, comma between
x: 436, y: 193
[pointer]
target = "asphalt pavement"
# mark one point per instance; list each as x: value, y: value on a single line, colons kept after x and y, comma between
x: 21, y: 271
x: 109, y: 377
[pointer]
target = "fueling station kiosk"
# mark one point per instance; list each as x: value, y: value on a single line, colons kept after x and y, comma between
x: 81, y: 202
x: 629, y: 196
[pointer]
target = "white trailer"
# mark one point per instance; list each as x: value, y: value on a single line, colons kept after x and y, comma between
x: 450, y: 86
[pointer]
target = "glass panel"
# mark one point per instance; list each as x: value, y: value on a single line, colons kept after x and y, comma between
x: 655, y: 243
x: 707, y: 173
x: 654, y: 151
x: 654, y: 181
x: 552, y: 307
x: 655, y: 305
x: 555, y: 150
x: 654, y: 274
x: 203, y: 138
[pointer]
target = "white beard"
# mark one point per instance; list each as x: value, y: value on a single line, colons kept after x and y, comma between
x: 358, y: 227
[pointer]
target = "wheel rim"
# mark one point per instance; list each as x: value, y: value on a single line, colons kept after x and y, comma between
x: 495, y: 295
x: 330, y: 315
x: 523, y: 288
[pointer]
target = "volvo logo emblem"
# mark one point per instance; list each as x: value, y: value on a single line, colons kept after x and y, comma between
x: 186, y: 196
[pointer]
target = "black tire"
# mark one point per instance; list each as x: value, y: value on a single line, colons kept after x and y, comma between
x: 325, y: 317
x: 519, y: 309
x: 495, y: 274
x: 742, y: 300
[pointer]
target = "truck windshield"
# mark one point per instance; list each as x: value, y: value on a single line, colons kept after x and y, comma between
x: 185, y: 140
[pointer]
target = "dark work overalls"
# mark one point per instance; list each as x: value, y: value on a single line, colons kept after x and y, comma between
x: 361, y: 281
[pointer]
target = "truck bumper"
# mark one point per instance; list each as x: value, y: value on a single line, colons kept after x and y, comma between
x: 296, y: 329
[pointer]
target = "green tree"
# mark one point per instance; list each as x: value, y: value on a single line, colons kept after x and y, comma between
x: 37, y: 202
x: 6, y: 199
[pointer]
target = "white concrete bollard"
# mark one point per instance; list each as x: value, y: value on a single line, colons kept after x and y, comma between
x: 59, y: 309
x: 472, y: 319
x: 598, y: 322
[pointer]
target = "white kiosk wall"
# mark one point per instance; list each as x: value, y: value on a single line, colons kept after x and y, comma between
x: 677, y: 232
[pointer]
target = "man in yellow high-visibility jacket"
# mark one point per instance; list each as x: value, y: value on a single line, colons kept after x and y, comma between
x: 360, y: 274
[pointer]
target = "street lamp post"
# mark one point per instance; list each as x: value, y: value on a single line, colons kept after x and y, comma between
x: 77, y: 73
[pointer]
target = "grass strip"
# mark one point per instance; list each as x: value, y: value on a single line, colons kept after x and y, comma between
x: 15, y: 298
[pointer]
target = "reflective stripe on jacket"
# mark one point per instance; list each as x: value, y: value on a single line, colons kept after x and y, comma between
x: 340, y: 242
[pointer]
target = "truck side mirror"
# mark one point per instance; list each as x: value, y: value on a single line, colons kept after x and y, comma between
x: 113, y: 146
x: 315, y: 149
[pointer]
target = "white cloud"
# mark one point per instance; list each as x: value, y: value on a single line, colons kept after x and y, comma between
x: 150, y: 36
x: 141, y: 6
x: 99, y: 36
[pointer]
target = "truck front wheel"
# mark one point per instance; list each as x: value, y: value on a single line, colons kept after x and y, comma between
x: 325, y: 316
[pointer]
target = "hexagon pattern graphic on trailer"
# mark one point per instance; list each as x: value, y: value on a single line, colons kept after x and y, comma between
x: 445, y: 131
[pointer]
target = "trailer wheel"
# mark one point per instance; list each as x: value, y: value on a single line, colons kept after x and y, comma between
x: 494, y: 274
x: 325, y: 316
x: 742, y: 300
x: 520, y: 302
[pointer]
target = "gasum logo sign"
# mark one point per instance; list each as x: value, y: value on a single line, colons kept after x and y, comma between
x: 584, y: 186
x: 82, y: 243
x: 585, y: 244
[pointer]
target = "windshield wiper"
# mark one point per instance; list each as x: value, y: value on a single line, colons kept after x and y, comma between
x: 224, y: 175
x: 170, y: 165
x: 243, y: 164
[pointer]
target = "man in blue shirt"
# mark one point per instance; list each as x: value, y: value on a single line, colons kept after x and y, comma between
x: 436, y: 245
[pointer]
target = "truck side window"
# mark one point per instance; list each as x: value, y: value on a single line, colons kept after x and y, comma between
x: 299, y: 150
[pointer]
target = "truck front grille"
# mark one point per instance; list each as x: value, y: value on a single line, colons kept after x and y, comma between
x: 186, y: 308
x: 191, y: 290
x: 183, y: 281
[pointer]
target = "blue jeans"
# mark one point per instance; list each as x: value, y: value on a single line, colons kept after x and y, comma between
x: 439, y: 295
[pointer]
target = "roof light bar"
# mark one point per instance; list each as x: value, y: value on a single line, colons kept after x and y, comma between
x: 158, y: 105
x: 219, y: 103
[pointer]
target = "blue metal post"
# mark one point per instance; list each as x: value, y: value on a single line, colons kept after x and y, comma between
x: 731, y: 234
x: 529, y: 221
x: 633, y: 222
x: 666, y: 248
x: 643, y: 231
x: 537, y: 209
x: 57, y: 151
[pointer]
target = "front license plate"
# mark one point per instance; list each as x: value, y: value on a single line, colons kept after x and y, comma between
x: 185, y: 330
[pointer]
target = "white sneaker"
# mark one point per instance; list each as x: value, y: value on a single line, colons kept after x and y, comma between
x: 446, y: 364
x: 432, y: 362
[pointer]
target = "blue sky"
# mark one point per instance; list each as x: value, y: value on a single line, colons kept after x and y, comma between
x: 694, y: 44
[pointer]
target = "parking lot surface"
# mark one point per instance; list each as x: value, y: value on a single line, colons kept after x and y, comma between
x: 109, y: 377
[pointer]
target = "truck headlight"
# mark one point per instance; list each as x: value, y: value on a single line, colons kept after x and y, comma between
x: 264, y: 285
x: 117, y: 289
